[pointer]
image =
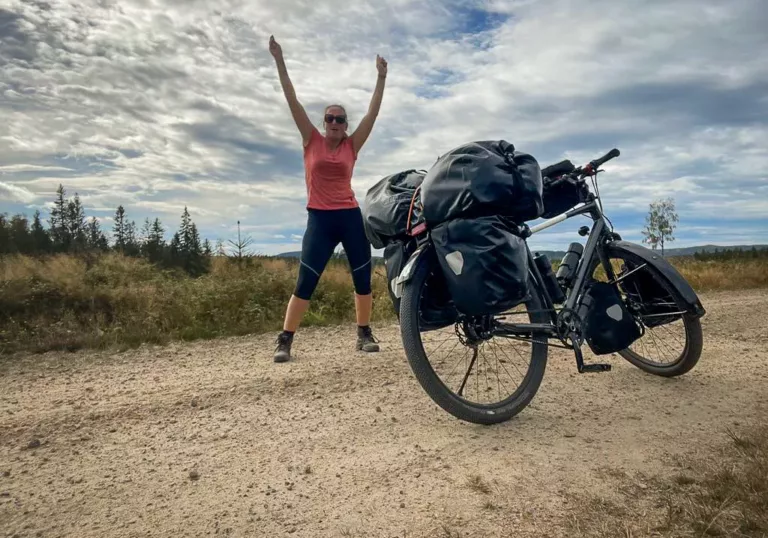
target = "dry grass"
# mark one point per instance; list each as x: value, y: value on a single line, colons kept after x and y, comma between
x: 68, y: 303
x: 65, y: 302
x: 725, y: 494
x: 723, y: 274
x: 477, y: 483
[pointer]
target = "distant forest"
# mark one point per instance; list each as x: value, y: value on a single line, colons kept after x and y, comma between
x: 70, y: 231
x: 732, y: 253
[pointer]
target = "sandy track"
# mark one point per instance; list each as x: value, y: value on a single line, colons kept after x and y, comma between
x: 343, y: 444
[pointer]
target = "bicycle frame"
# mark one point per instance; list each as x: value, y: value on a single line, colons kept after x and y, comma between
x: 593, y: 247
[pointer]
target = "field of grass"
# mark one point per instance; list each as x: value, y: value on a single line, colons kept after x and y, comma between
x: 66, y: 302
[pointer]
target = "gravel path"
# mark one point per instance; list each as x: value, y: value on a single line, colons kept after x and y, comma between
x: 213, y: 439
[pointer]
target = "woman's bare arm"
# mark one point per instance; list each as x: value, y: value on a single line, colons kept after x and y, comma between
x: 297, y: 110
x: 366, y: 125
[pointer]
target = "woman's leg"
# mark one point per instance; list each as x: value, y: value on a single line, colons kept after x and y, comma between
x: 363, y: 308
x: 316, y: 249
x: 358, y: 251
x: 297, y: 307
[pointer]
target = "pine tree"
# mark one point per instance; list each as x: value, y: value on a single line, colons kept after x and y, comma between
x: 6, y: 246
x: 155, y: 244
x: 40, y: 238
x: 197, y: 263
x: 146, y: 229
x: 175, y: 251
x: 21, y: 239
x: 185, y: 232
x: 180, y: 244
x: 207, y: 248
x: 119, y: 230
x: 58, y: 222
x: 95, y: 238
x: 241, y: 251
x: 186, y: 250
x: 132, y: 246
x: 75, y: 224
x: 195, y: 246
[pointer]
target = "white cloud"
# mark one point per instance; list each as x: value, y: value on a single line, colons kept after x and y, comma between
x: 160, y: 105
x: 14, y: 193
x: 32, y: 168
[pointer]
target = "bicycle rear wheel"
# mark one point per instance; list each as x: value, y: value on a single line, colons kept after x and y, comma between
x: 480, y: 380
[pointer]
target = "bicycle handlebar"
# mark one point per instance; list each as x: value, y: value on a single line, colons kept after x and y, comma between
x: 605, y: 158
x: 592, y: 166
x: 561, y: 172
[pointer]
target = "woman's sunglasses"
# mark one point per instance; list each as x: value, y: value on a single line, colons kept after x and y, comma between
x: 330, y: 118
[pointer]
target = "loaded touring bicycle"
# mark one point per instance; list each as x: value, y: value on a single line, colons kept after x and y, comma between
x: 478, y: 310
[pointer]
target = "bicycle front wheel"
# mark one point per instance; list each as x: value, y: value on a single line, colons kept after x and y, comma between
x: 672, y: 341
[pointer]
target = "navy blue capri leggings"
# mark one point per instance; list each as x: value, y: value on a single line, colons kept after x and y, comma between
x: 325, y: 230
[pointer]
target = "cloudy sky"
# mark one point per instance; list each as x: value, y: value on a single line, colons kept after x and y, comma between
x: 158, y: 104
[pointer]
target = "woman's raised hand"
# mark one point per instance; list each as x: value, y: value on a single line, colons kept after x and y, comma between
x: 274, y: 48
x: 381, y: 66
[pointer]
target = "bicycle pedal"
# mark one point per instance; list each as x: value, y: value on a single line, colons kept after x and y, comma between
x: 593, y: 368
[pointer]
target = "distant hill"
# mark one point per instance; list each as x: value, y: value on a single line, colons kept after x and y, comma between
x: 558, y: 254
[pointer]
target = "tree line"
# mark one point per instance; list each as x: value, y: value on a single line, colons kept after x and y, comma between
x: 721, y: 254
x: 70, y: 231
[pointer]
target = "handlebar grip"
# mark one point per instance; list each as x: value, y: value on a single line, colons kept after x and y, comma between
x: 605, y: 158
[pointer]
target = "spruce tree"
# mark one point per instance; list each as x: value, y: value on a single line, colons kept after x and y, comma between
x: 132, y: 246
x: 40, y: 238
x: 58, y: 222
x: 6, y: 246
x: 96, y: 240
x: 155, y: 244
x: 20, y: 236
x: 119, y: 230
x: 75, y: 224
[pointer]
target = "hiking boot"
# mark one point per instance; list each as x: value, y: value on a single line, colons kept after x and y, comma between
x: 366, y: 341
x: 283, y: 351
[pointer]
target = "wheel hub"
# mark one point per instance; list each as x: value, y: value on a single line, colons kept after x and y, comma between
x: 475, y: 330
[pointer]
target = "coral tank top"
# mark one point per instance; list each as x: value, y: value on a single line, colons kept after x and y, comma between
x: 328, y: 173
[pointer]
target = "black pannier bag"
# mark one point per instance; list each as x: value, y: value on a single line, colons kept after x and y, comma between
x: 436, y: 309
x: 657, y: 306
x: 484, y: 263
x: 396, y: 255
x: 482, y: 178
x: 386, y: 207
x: 607, y: 325
x: 563, y: 196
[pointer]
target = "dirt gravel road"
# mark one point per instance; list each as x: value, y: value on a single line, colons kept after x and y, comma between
x: 213, y: 439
